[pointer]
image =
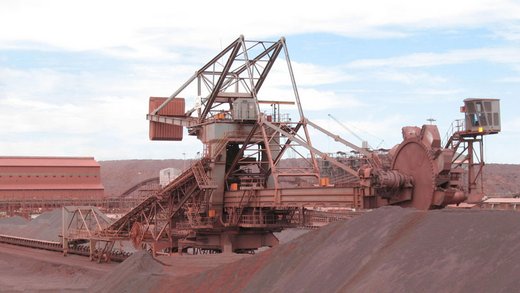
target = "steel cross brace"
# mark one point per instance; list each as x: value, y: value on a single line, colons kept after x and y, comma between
x: 310, y: 148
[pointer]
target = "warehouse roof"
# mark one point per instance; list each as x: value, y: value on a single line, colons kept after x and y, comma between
x: 48, y: 162
x: 65, y: 186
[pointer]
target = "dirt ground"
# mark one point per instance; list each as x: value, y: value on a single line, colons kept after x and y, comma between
x: 32, y: 270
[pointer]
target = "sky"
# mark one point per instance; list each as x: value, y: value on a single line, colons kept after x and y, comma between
x: 75, y: 76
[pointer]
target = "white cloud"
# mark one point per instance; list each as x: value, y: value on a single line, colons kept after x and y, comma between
x: 497, y: 55
x: 52, y: 112
x: 312, y: 74
x: 306, y: 74
x: 512, y: 78
x: 510, y: 32
x: 309, y: 77
x: 409, y: 77
x: 117, y: 115
x: 148, y: 29
x: 107, y: 127
x: 71, y: 146
x: 30, y: 82
x: 315, y: 100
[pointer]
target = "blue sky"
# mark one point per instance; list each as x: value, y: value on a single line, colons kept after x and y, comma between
x: 75, y: 76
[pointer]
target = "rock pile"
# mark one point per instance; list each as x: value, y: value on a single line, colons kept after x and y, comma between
x: 139, y: 273
x: 388, y: 250
x: 47, y: 226
x: 16, y: 220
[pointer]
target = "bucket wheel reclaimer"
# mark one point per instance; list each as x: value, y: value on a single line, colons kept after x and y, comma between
x: 420, y: 175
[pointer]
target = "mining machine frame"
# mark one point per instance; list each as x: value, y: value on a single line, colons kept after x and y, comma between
x: 242, y: 190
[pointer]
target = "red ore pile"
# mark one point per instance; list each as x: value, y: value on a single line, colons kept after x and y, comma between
x: 46, y: 226
x: 390, y: 249
x: 139, y: 273
x: 15, y: 220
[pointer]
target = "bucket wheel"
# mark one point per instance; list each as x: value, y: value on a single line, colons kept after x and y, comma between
x: 413, y: 158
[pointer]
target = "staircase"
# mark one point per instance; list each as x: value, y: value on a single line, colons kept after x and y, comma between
x: 453, y: 134
x: 244, y: 201
x: 220, y: 146
x: 201, y: 177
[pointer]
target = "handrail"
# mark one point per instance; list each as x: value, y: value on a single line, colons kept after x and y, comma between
x: 455, y: 127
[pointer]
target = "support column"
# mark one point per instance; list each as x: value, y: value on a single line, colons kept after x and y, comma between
x: 65, y: 246
x: 226, y: 241
x: 92, y: 249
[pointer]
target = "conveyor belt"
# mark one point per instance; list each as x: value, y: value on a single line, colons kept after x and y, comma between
x: 117, y: 255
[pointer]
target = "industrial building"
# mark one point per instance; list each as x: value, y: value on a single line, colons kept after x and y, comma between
x: 50, y: 178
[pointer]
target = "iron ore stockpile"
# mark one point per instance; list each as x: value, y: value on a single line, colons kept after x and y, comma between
x: 390, y: 249
x: 138, y: 273
x: 46, y: 226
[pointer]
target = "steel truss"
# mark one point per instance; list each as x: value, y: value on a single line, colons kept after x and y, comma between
x: 239, y: 71
x: 249, y: 196
x: 80, y: 223
x: 242, y: 150
x: 469, y: 154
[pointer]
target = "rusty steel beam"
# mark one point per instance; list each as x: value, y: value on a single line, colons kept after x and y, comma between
x: 297, y: 197
x: 194, y: 76
x: 339, y: 139
x: 180, y: 121
x: 222, y: 78
x: 309, y: 147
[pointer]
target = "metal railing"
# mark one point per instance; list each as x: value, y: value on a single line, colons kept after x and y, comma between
x: 455, y: 127
x: 264, y: 220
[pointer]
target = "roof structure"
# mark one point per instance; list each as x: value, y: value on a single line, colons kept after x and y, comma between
x: 29, y: 186
x: 48, y: 162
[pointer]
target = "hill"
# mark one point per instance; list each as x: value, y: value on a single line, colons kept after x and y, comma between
x: 118, y: 176
x: 501, y: 179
